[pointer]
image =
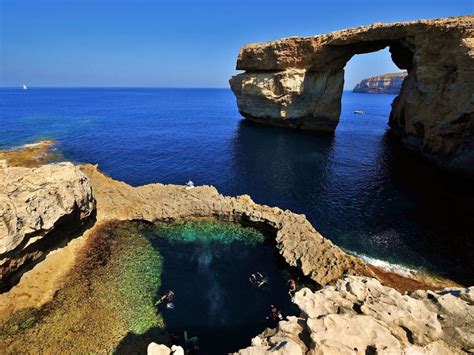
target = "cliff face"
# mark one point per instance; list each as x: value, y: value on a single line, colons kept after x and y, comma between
x: 298, y: 81
x: 381, y: 84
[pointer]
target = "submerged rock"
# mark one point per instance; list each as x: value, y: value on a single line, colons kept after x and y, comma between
x: 298, y: 81
x: 39, y: 208
x: 359, y: 315
x: 381, y: 84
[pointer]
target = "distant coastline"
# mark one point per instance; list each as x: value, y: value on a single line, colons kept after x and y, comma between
x: 381, y: 84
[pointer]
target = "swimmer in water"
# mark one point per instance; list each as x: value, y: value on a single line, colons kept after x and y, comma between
x: 292, y: 287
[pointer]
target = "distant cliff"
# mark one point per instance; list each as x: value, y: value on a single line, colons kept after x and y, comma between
x: 381, y: 84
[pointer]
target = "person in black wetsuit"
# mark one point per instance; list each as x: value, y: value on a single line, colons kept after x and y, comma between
x: 292, y: 287
x: 275, y: 314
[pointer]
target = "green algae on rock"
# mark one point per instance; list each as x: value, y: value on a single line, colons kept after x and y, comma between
x: 209, y: 231
x: 102, y: 301
x: 109, y: 295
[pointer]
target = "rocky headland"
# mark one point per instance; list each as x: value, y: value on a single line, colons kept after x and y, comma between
x: 297, y: 82
x: 349, y: 312
x: 381, y: 84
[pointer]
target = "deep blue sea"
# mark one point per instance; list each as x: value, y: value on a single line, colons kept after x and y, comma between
x: 358, y: 187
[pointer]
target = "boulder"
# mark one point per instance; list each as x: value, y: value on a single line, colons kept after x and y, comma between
x: 297, y: 82
x: 158, y: 349
x: 39, y: 208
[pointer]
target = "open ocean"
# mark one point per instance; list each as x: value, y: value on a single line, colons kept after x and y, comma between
x: 359, y: 188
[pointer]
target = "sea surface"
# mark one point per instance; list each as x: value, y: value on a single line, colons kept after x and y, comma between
x: 358, y: 187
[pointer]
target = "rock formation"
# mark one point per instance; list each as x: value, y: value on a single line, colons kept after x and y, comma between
x: 298, y: 242
x: 358, y: 316
x: 381, y: 84
x: 39, y: 208
x: 298, y: 81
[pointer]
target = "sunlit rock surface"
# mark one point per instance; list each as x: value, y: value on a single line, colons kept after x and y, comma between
x: 298, y: 242
x: 39, y: 208
x: 381, y: 84
x: 359, y: 315
x: 298, y: 81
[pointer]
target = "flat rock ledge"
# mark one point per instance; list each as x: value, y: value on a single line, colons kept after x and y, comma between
x: 39, y: 208
x: 358, y: 315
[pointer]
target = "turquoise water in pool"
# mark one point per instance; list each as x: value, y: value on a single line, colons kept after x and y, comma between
x: 207, y: 265
x: 359, y: 188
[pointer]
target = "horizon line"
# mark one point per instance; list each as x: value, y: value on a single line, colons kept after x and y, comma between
x: 126, y: 87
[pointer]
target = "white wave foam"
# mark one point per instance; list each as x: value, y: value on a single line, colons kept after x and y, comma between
x: 32, y: 145
x: 391, y: 267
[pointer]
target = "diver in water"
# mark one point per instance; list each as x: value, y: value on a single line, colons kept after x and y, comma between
x: 168, y: 297
x: 258, y: 279
x: 275, y: 314
x: 191, y: 344
x: 292, y: 286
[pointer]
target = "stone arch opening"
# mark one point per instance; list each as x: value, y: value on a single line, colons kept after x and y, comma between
x: 374, y: 72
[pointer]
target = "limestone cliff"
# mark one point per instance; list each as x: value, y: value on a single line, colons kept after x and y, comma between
x: 298, y: 81
x: 381, y: 84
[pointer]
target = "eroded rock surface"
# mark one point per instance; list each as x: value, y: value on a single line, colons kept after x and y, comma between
x: 298, y: 242
x: 381, y: 84
x: 359, y: 315
x: 39, y: 208
x: 298, y: 82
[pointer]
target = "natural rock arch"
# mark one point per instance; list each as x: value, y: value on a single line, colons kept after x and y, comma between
x: 298, y: 82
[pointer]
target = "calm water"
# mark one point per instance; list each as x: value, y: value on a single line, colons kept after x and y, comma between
x: 208, y: 266
x: 358, y: 187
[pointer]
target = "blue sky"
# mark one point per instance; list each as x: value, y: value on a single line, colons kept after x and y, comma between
x: 177, y: 43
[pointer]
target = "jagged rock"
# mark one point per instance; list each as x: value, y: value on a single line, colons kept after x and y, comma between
x: 298, y: 82
x: 359, y: 315
x: 39, y: 208
x: 381, y: 84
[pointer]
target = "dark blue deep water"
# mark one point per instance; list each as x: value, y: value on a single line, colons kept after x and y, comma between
x: 358, y: 187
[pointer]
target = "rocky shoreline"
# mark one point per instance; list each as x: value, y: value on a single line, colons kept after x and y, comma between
x: 63, y: 189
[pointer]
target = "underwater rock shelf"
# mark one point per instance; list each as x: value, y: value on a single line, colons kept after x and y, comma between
x: 109, y: 299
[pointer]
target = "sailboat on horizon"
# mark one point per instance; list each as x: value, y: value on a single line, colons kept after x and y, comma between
x: 24, y: 87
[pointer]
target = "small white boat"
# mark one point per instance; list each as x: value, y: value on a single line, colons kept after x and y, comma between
x: 358, y: 112
x: 190, y: 184
x: 24, y: 87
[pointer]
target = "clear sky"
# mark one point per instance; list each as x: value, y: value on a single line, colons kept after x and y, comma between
x: 177, y: 43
